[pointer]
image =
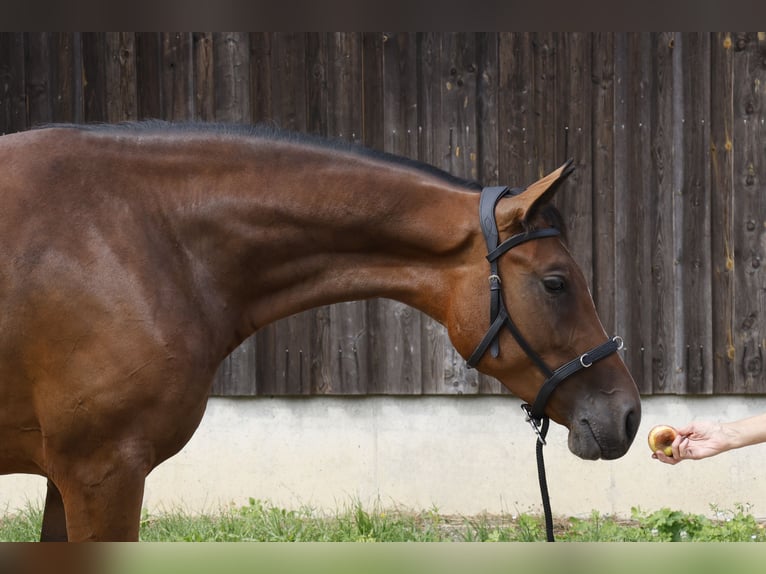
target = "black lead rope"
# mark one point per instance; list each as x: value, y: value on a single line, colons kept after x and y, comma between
x: 499, y: 318
x: 544, y: 482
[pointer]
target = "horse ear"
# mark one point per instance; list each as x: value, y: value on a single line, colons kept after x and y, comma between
x: 522, y: 207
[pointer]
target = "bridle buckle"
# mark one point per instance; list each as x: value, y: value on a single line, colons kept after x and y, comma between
x: 536, y: 425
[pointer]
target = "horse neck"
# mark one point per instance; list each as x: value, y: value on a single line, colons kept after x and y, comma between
x: 290, y: 228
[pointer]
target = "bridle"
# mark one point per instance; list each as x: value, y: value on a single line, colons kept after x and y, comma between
x: 499, y: 318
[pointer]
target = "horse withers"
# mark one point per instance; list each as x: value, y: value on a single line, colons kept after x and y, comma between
x: 136, y: 257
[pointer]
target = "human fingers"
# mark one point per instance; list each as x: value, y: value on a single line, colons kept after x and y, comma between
x: 662, y: 457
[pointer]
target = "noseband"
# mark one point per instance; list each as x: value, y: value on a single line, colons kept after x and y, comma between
x: 499, y: 318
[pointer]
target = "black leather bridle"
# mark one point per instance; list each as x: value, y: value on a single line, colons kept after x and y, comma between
x: 499, y: 318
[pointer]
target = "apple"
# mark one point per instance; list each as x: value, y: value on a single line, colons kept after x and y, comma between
x: 661, y: 437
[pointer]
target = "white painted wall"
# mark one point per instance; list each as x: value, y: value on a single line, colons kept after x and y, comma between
x: 463, y: 455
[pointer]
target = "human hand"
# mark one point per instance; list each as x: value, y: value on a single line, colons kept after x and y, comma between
x: 695, y: 441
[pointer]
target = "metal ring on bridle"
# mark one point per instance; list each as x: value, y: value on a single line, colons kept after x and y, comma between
x: 583, y: 363
x: 494, y: 277
x: 620, y: 343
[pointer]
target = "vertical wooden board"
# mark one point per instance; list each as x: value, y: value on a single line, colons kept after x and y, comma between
x: 260, y: 76
x: 695, y: 211
x: 516, y: 165
x: 203, y: 77
x: 487, y: 71
x: 455, y: 145
x: 607, y: 169
x: 288, y: 85
x: 429, y: 97
x: 148, y: 85
x: 177, y: 76
x: 231, y: 76
x: 287, y: 351
x: 544, y: 149
x: 64, y: 76
x: 39, y: 96
x: 722, y: 206
x: 749, y: 234
x: 459, y: 90
x: 573, y: 128
x: 373, y: 44
x: 342, y: 116
x: 121, y: 93
x: 395, y: 329
x: 319, y: 72
x: 231, y: 103
x: 13, y: 101
x: 487, y: 154
x: 344, y: 86
x: 429, y: 109
x: 94, y: 76
x: 663, y: 206
x: 634, y: 78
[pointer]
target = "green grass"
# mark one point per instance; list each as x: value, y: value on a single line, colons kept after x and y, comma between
x: 261, y: 521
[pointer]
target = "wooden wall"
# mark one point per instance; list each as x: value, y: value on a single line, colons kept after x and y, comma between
x: 667, y: 208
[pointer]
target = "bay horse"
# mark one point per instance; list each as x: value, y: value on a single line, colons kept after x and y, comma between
x: 135, y: 257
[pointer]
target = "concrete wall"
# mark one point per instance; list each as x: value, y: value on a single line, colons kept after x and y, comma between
x: 462, y: 455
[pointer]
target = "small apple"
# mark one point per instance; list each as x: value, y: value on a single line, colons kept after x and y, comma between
x: 661, y: 437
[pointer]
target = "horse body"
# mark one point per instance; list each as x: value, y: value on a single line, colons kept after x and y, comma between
x: 136, y: 259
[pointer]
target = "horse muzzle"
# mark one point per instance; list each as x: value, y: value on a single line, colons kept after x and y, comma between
x: 606, y: 432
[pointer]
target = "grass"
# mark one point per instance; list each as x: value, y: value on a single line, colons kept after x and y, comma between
x: 263, y: 522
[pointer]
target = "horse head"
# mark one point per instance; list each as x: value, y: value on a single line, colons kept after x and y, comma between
x: 537, y: 290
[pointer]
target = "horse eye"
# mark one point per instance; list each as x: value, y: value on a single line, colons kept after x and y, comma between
x: 554, y: 283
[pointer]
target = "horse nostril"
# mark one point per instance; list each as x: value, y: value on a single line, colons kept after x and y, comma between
x: 632, y: 421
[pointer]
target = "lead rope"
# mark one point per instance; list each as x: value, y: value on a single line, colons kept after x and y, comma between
x: 544, y: 482
x: 541, y: 430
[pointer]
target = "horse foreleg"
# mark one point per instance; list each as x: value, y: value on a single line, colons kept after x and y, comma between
x: 54, y: 518
x: 104, y: 508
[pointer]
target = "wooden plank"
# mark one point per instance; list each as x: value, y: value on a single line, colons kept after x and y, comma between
x: 204, y: 91
x: 544, y: 148
x: 515, y: 115
x: 722, y: 217
x: 121, y: 78
x: 317, y: 84
x: 287, y: 361
x: 606, y: 167
x: 65, y: 76
x: 231, y: 103
x: 633, y: 290
x: 395, y: 329
x: 573, y: 128
x: 288, y: 96
x: 373, y: 86
x: 749, y: 234
x: 177, y: 76
x: 695, y: 211
x: 349, y: 328
x: 661, y: 238
x: 94, y: 76
x: 231, y: 73
x: 13, y: 108
x: 148, y: 85
x: 39, y: 97
x: 487, y: 155
x: 447, y: 100
x: 260, y: 76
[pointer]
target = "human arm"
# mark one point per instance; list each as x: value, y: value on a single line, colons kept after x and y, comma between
x: 703, y: 439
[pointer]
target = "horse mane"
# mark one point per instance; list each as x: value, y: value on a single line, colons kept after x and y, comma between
x: 546, y: 216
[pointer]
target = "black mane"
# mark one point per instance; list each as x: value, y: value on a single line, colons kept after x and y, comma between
x: 272, y: 132
x: 548, y: 214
